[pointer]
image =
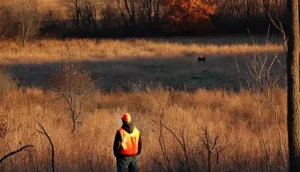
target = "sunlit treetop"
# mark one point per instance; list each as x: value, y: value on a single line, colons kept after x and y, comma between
x: 190, y: 12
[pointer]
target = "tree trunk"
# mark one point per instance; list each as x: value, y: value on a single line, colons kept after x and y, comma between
x: 77, y: 13
x: 266, y: 5
x: 293, y: 116
x: 156, y: 5
x: 73, y: 122
x: 92, y: 12
x: 208, y: 161
x: 24, y: 42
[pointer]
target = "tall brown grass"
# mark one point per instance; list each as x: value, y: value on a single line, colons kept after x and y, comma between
x: 230, y: 115
x: 43, y: 51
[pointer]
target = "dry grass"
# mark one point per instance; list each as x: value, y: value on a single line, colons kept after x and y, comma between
x: 45, y: 51
x: 171, y: 62
x: 231, y: 115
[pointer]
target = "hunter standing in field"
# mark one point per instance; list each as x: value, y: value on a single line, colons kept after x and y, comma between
x: 127, y: 146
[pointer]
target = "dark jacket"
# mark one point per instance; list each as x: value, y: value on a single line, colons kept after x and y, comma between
x: 118, y: 140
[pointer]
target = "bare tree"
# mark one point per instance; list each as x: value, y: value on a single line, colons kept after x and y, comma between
x: 149, y: 11
x: 75, y: 9
x: 19, y: 19
x: 110, y: 15
x: 156, y: 6
x: 76, y: 87
x: 91, y: 12
x: 128, y: 11
x: 131, y: 14
x: 84, y: 13
x: 249, y: 9
x: 263, y: 79
x: 293, y: 116
x: 77, y: 12
x: 28, y: 19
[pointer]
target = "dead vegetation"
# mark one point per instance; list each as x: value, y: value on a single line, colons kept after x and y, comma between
x: 220, y: 130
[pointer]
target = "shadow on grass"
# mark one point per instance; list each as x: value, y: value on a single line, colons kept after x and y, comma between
x: 179, y: 73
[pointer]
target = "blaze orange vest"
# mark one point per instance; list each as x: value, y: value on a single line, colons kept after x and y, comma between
x: 130, y: 141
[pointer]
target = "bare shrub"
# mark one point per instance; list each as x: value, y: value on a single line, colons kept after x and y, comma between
x: 264, y: 80
x: 76, y: 87
x: 208, y: 148
x: 180, y: 139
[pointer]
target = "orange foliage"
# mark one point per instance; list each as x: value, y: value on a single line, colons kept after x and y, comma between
x: 190, y: 14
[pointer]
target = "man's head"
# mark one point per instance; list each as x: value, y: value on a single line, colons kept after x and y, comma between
x: 126, y: 118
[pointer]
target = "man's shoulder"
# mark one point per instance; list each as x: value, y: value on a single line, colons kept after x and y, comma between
x: 135, y: 128
x: 118, y: 132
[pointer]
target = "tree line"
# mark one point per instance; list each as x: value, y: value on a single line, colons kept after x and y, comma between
x: 25, y: 18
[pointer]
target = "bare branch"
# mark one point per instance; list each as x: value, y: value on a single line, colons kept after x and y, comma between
x: 182, y: 143
x: 14, y: 152
x: 162, y: 143
x: 44, y: 132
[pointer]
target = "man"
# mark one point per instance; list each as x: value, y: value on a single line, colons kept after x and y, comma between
x: 127, y: 146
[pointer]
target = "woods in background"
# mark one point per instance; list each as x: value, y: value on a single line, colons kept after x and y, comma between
x: 88, y: 18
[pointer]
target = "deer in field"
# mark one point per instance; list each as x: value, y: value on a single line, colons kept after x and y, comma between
x: 202, y: 59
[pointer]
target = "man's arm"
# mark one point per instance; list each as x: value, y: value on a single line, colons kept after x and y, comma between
x: 117, y: 144
x: 140, y: 145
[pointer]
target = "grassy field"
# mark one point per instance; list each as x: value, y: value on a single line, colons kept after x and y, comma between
x: 49, y: 51
x: 171, y: 62
x: 198, y: 100
x: 232, y: 116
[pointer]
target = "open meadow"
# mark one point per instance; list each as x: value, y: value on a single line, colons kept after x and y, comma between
x: 192, y: 116
x: 126, y: 62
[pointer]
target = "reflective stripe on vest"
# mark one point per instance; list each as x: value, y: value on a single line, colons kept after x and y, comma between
x: 130, y: 142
